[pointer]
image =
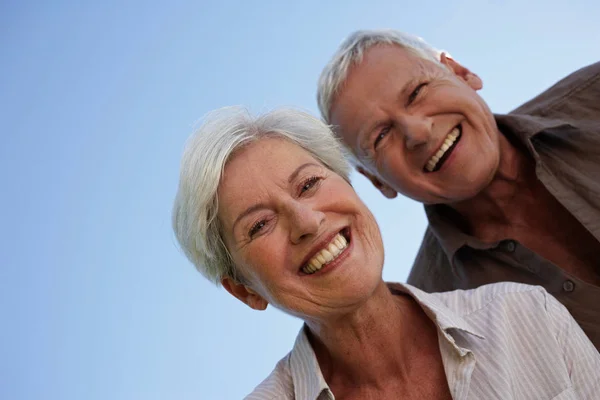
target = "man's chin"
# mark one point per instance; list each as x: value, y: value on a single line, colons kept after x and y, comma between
x: 452, y: 197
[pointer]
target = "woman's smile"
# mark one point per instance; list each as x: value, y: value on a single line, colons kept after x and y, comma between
x: 327, y: 257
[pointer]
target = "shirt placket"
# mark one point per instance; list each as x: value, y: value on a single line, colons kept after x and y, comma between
x: 459, y: 364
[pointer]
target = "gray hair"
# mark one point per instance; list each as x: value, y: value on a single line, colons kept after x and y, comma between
x: 223, y: 132
x: 351, y: 52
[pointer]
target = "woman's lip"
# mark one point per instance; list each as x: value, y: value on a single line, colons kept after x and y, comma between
x: 333, y: 264
x: 322, y: 244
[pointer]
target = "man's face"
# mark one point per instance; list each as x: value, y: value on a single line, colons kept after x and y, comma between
x: 417, y: 127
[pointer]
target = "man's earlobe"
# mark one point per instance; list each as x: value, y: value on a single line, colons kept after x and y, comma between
x: 464, y: 73
x: 382, y: 187
x: 244, y: 294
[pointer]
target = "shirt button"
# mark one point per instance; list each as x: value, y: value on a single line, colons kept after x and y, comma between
x: 509, y: 246
x: 568, y: 286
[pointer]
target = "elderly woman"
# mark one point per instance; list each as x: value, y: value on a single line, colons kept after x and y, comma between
x: 265, y: 208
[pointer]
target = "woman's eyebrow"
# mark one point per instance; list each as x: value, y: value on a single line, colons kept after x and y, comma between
x: 295, y: 174
x: 247, y: 212
x: 260, y: 206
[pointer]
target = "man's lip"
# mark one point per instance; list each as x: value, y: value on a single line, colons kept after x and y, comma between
x: 439, y: 146
x: 323, y: 243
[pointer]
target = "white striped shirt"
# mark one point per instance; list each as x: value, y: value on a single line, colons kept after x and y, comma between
x: 499, y: 341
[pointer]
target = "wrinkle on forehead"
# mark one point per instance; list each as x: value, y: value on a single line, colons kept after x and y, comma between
x: 356, y: 115
x: 260, y: 170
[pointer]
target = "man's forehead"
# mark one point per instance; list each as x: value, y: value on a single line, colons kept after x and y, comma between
x: 392, y: 56
x: 382, y: 67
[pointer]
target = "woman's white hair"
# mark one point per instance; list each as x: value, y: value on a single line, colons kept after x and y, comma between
x: 351, y: 52
x: 223, y: 132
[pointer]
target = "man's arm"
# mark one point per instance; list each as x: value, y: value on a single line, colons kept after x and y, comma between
x: 580, y: 355
x: 581, y: 88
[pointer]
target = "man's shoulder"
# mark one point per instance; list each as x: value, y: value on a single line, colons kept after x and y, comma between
x: 582, y: 87
x: 278, y: 385
x: 431, y: 265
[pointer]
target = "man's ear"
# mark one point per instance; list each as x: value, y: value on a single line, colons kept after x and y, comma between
x: 464, y: 73
x: 244, y: 294
x: 382, y: 187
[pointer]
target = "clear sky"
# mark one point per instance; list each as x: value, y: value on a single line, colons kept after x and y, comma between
x: 96, y: 101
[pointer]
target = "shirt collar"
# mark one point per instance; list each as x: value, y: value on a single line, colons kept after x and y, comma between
x: 450, y: 237
x: 523, y: 128
x: 306, y: 374
x: 445, y: 318
x: 307, y: 378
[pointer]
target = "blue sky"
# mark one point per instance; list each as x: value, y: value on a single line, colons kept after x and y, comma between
x: 96, y: 101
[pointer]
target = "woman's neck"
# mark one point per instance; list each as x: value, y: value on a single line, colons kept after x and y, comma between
x: 374, y: 343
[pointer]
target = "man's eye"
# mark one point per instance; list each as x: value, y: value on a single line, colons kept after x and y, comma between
x: 416, y: 92
x: 258, y: 225
x: 381, y: 135
x: 309, y: 183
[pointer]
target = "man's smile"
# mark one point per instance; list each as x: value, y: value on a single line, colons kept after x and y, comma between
x: 441, y: 155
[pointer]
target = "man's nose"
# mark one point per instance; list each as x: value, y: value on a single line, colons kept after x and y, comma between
x: 305, y: 221
x: 417, y: 130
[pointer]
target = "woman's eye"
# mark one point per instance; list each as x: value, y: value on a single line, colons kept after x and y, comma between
x: 257, y: 227
x: 416, y: 92
x: 309, y: 184
x: 381, y: 135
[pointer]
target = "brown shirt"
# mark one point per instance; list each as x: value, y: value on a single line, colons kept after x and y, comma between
x: 561, y: 130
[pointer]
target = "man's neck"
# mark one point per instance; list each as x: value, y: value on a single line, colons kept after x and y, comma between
x: 504, y: 204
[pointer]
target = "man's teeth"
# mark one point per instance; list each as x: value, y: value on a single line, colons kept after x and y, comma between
x: 328, y: 254
x: 448, y: 142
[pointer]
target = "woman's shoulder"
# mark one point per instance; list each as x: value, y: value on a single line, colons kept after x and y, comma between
x: 493, y: 291
x: 278, y: 385
x: 505, y: 293
x: 499, y: 295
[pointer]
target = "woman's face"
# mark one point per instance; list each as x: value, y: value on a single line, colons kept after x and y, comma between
x: 297, y: 232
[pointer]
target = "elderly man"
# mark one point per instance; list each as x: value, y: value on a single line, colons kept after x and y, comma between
x: 512, y: 197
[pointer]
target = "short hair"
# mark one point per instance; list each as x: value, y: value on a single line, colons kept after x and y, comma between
x: 351, y: 52
x: 223, y: 132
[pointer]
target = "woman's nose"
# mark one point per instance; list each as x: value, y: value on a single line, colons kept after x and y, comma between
x: 305, y: 221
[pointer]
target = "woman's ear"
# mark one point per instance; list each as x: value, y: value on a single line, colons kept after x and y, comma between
x: 245, y: 294
x: 464, y: 73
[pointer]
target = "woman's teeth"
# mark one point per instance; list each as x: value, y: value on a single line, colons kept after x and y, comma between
x: 448, y: 142
x: 328, y: 254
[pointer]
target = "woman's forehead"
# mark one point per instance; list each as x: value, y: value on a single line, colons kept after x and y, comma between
x: 257, y: 169
x: 266, y: 156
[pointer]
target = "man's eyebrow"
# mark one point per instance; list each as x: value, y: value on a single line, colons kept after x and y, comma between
x: 260, y: 206
x: 364, y: 136
x: 409, y: 84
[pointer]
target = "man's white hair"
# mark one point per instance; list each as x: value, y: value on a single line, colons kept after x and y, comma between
x: 224, y: 132
x: 351, y: 52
